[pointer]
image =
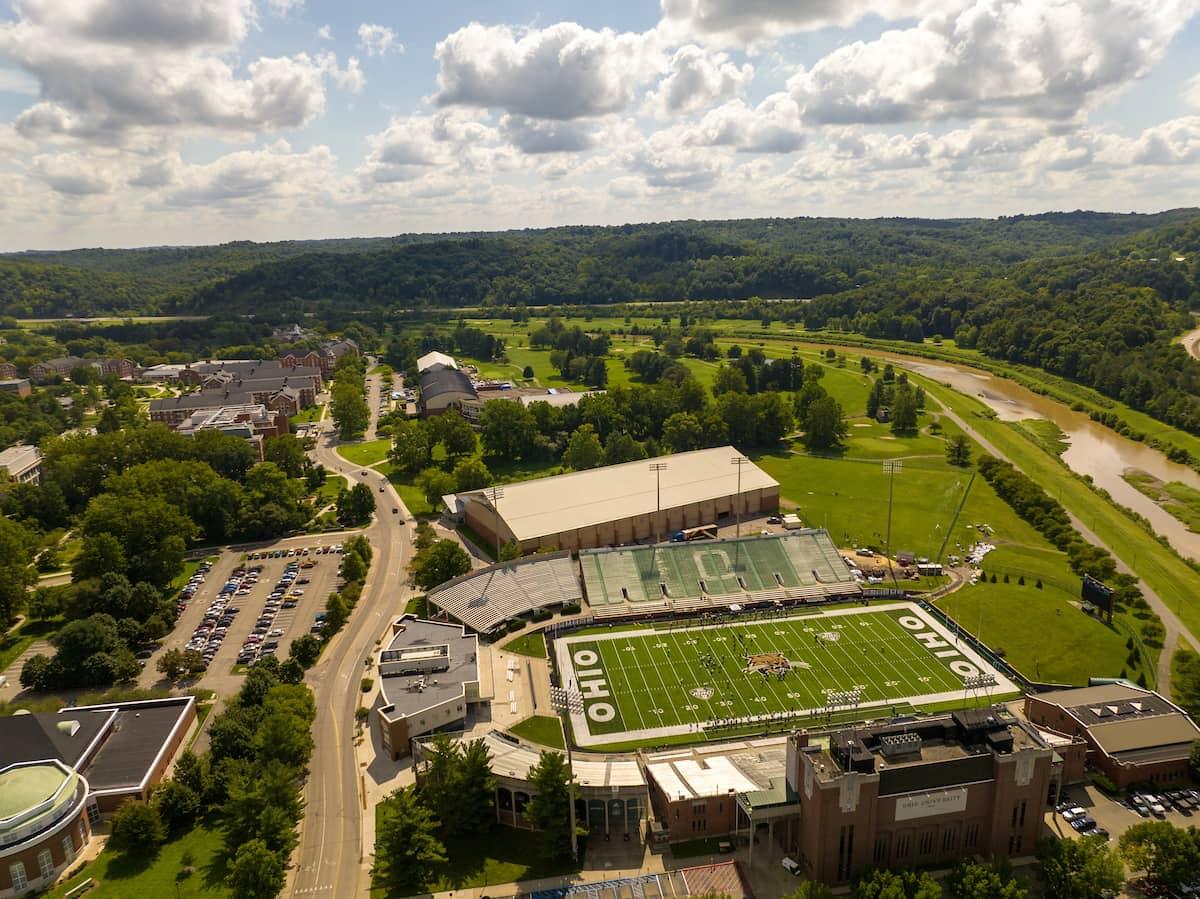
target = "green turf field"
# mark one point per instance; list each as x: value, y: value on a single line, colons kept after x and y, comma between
x: 661, y: 681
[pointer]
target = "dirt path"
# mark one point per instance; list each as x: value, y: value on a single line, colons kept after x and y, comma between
x: 1171, y: 624
x: 1191, y: 343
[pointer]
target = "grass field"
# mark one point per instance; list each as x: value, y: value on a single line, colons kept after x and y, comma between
x: 369, y: 453
x: 532, y: 645
x: 328, y: 492
x: 544, y: 730
x: 666, y: 681
x: 122, y: 876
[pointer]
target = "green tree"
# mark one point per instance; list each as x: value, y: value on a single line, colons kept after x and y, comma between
x: 16, y: 544
x: 454, y: 433
x: 355, y: 506
x: 971, y: 880
x: 263, y: 803
x: 904, y: 411
x: 1078, y: 869
x: 583, y: 449
x: 471, y: 474
x: 812, y: 889
x: 287, y: 452
x: 958, y: 450
x: 507, y: 430
x: 1194, y: 760
x: 177, y: 804
x: 824, y: 424
x: 880, y: 883
x: 549, y: 811
x: 137, y: 828
x: 442, y: 561
x: 406, y: 845
x: 305, y: 649
x: 349, y: 407
x: 1166, y: 854
x: 682, y: 432
x: 172, y: 665
x: 257, y: 872
x: 435, y: 484
x: 151, y: 533
x: 411, y: 446
x: 510, y: 551
x: 622, y: 448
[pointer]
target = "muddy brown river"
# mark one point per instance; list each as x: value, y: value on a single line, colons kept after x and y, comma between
x: 1094, y: 449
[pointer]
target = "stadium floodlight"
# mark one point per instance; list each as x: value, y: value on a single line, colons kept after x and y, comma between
x: 891, y: 467
x: 567, y: 701
x: 739, y: 461
x: 494, y: 494
x: 658, y: 468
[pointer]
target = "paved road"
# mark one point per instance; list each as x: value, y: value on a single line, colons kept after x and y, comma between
x: 1172, y: 625
x: 329, y: 857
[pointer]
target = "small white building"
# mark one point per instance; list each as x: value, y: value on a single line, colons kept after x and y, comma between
x: 429, y: 360
x: 24, y: 463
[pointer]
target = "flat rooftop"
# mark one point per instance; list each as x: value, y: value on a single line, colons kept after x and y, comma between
x: 566, y: 502
x: 139, y: 733
x: 513, y: 759
x: 409, y: 694
x: 749, y: 767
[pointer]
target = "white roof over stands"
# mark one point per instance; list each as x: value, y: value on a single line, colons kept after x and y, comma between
x: 514, y: 760
x: 489, y: 596
x: 429, y: 360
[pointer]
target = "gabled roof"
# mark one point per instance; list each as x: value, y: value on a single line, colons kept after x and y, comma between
x: 435, y: 358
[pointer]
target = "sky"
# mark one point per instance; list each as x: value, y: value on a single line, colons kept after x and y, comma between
x: 150, y: 122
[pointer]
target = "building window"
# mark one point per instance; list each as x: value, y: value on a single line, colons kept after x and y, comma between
x: 1014, y: 815
x: 19, y: 881
x: 926, y: 845
x: 698, y: 807
x: 972, y: 836
x: 1017, y: 842
x: 93, y: 812
x: 45, y: 864
x: 949, y: 838
x: 902, y: 846
x: 881, y: 849
x: 68, y: 847
x: 1022, y: 823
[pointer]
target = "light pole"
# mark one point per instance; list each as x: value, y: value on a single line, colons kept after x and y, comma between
x: 739, y: 461
x: 566, y: 701
x: 891, y: 468
x: 494, y: 494
x: 658, y: 468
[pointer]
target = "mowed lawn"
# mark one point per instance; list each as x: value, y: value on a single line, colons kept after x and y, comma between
x: 663, y: 678
x: 371, y: 452
x: 120, y: 876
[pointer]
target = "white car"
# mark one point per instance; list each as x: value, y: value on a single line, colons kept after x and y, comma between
x: 277, y: 632
x: 791, y: 866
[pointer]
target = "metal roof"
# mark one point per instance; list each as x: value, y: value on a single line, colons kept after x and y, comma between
x: 566, y: 502
x: 1144, y: 733
x: 435, y: 358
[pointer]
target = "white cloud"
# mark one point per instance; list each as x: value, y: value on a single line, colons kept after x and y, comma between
x: 73, y: 174
x: 564, y: 71
x: 1023, y: 58
x: 696, y: 79
x: 378, y: 40
x: 325, y: 33
x: 536, y: 136
x: 412, y: 147
x: 665, y: 163
x: 746, y: 21
x: 272, y: 174
x: 1191, y: 92
x: 1172, y: 143
x: 771, y: 127
x: 285, y: 7
x: 106, y: 67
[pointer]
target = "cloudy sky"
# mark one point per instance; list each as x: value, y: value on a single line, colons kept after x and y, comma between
x: 135, y: 122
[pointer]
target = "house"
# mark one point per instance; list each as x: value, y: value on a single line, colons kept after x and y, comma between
x: 23, y: 463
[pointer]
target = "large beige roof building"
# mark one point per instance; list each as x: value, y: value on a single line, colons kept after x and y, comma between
x: 623, y: 503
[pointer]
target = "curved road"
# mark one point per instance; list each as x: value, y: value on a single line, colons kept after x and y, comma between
x: 328, y: 860
x: 1191, y: 343
x: 1171, y: 624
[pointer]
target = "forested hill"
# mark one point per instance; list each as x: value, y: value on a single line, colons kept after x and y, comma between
x: 800, y: 257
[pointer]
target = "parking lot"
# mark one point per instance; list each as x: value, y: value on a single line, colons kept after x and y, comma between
x: 256, y: 584
x: 1112, y: 817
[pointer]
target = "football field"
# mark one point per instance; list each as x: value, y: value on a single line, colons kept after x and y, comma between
x: 645, y: 684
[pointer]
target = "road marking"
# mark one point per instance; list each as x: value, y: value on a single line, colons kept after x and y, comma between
x: 324, y: 818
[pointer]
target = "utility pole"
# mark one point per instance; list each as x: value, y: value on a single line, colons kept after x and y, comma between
x: 494, y: 494
x: 658, y: 468
x: 891, y: 468
x: 566, y: 701
x: 739, y: 461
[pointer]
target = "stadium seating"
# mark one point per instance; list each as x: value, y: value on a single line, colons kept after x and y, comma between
x: 486, y: 598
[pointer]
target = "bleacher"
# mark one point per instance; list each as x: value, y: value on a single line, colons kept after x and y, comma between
x: 487, y: 597
x: 685, y: 577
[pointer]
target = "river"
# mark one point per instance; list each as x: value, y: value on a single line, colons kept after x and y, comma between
x: 1094, y: 449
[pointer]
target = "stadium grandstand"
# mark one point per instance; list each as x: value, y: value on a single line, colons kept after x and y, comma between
x: 486, y: 598
x: 797, y: 566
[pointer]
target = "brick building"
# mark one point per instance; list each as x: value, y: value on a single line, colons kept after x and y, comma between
x: 1133, y: 734
x: 919, y: 793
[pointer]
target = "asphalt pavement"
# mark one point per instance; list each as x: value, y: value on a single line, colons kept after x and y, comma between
x: 329, y: 858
